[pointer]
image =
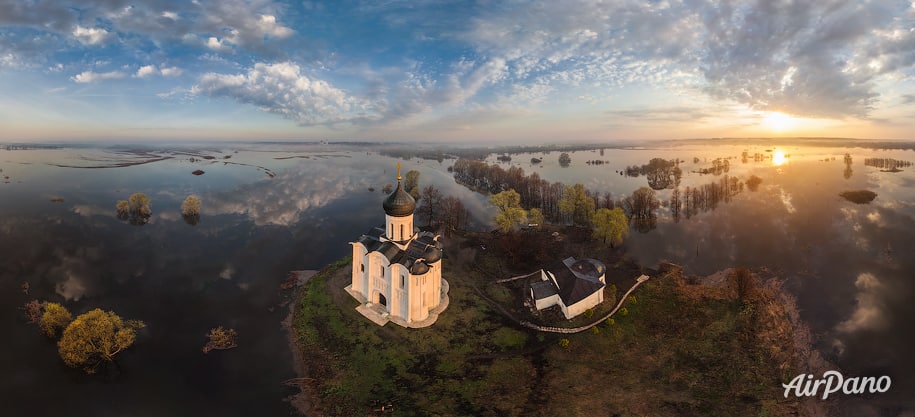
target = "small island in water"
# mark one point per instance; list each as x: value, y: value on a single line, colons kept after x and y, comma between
x: 667, y: 344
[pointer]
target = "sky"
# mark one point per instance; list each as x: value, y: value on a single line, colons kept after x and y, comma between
x: 455, y: 71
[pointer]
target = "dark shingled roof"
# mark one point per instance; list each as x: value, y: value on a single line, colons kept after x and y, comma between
x: 417, y: 251
x: 543, y: 289
x: 577, y: 279
x: 399, y: 203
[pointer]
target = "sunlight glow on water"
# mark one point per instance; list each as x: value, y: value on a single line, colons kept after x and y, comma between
x: 778, y: 158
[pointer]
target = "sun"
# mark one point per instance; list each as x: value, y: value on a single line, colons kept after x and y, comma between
x: 777, y: 122
x: 779, y: 158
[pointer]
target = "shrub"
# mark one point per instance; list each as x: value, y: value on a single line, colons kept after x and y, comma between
x: 123, y: 208
x: 191, y: 206
x: 54, y: 318
x: 623, y: 311
x: 564, y: 343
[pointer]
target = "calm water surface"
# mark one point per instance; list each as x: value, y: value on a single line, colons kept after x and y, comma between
x: 849, y: 265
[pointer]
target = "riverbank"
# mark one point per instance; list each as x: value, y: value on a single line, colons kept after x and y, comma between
x: 682, y: 347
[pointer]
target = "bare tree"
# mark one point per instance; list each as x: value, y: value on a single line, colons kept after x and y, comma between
x: 430, y: 204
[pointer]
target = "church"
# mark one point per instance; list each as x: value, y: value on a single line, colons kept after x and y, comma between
x: 397, y: 270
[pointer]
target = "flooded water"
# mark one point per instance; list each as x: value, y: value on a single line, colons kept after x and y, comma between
x: 180, y: 279
x: 849, y: 265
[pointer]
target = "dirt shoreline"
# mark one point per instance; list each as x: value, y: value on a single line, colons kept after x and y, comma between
x: 305, y: 401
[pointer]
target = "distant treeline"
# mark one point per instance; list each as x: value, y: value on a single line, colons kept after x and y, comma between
x: 886, y: 163
x: 535, y: 192
x: 440, y: 153
x: 640, y: 206
x: 26, y: 147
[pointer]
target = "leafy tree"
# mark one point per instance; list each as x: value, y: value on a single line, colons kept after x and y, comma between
x: 611, y: 226
x: 510, y: 212
x: 139, y: 209
x: 577, y: 205
x: 190, y: 206
x: 564, y: 159
x: 190, y: 210
x: 642, y: 203
x: 411, y: 183
x: 753, y: 182
x: 33, y: 311
x: 535, y: 216
x: 123, y: 208
x: 139, y: 204
x: 95, y: 338
x: 54, y: 318
x: 221, y: 338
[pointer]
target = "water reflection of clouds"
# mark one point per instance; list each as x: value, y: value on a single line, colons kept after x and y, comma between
x: 74, y: 273
x: 280, y: 200
x: 87, y: 210
x: 869, y: 311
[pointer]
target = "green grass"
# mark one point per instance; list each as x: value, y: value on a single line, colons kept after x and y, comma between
x: 670, y: 355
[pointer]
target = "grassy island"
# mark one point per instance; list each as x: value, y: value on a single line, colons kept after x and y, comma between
x: 679, y: 348
x: 859, y: 196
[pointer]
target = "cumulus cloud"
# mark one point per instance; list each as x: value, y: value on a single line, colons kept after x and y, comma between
x: 282, y: 88
x: 146, y: 71
x: 92, y: 77
x: 217, y: 45
x: 151, y: 70
x: 91, y: 36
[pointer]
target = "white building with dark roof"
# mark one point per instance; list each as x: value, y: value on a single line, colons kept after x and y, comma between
x: 573, y: 285
x: 397, y: 270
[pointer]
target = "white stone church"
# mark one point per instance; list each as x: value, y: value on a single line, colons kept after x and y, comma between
x: 397, y: 270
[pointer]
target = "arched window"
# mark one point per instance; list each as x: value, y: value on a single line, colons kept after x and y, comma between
x: 401, y: 232
x: 361, y: 267
x: 403, y: 280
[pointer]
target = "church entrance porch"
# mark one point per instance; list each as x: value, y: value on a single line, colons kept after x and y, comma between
x: 381, y: 300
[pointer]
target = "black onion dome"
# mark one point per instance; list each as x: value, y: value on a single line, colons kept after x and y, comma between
x: 432, y: 254
x: 419, y: 268
x: 399, y: 203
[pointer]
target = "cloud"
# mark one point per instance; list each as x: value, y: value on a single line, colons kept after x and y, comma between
x: 283, y: 89
x: 217, y: 45
x: 92, y: 77
x: 869, y: 312
x: 151, y: 70
x: 249, y: 24
x: 663, y: 114
x: 818, y: 59
x: 91, y: 36
x: 147, y: 71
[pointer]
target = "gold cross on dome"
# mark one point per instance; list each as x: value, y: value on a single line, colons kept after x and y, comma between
x: 398, y: 171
